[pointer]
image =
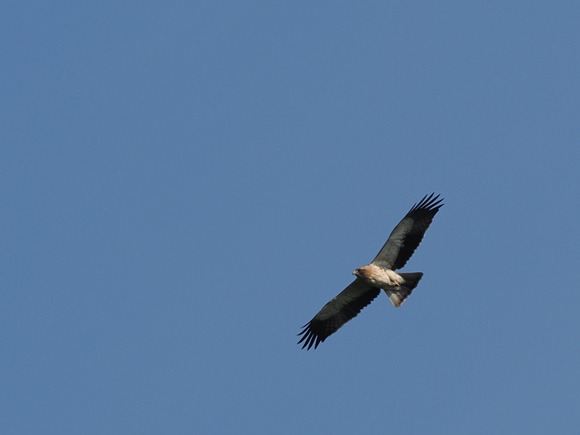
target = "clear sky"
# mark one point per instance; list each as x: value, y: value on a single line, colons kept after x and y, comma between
x: 186, y: 183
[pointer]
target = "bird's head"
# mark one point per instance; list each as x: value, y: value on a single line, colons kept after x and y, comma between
x: 365, y: 272
x: 359, y: 271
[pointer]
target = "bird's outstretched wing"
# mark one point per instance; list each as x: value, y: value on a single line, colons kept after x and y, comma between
x: 408, y: 234
x: 337, y: 312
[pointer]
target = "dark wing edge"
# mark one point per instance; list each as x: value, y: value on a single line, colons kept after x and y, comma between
x: 413, y: 227
x: 336, y: 313
x: 422, y: 214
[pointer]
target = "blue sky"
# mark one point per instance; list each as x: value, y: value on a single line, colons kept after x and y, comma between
x: 185, y: 184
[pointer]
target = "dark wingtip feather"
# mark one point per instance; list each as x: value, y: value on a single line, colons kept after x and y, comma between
x: 309, y: 337
x: 428, y: 202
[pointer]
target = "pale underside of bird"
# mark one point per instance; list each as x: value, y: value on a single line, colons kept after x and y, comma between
x: 378, y: 274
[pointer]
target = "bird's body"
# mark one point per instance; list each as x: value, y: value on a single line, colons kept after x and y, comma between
x: 378, y: 277
x: 378, y: 274
x: 396, y: 286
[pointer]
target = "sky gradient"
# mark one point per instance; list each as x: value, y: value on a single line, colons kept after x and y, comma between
x: 185, y: 184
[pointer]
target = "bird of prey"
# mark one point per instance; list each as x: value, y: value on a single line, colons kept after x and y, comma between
x: 378, y: 274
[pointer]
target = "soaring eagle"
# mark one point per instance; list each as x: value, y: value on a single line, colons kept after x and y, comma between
x: 378, y: 274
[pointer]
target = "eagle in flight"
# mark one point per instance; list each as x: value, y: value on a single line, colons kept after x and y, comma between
x: 378, y: 274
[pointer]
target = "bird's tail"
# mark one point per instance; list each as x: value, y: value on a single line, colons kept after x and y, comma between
x: 398, y: 294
